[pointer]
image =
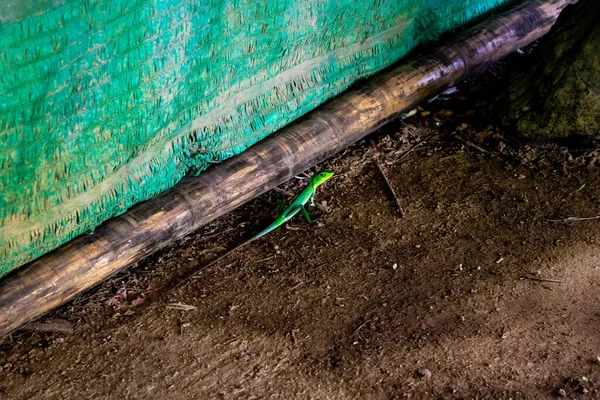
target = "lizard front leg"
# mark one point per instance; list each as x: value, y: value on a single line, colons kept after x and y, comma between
x: 311, y: 202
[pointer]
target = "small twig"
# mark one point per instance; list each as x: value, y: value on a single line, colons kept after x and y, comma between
x: 213, y: 233
x: 531, y: 278
x: 266, y: 259
x: 391, y: 189
x: 55, y: 325
x: 416, y: 146
x: 302, y: 176
x: 233, y: 339
x: 283, y: 191
x: 321, y: 207
x: 422, y: 142
x: 469, y: 143
x: 181, y: 307
x: 82, y: 299
x: 293, y: 335
x: 573, y: 219
x: 359, y: 328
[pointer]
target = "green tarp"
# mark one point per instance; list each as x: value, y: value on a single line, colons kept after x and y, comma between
x: 104, y: 104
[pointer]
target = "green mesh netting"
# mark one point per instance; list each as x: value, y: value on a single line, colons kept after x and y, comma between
x: 105, y: 103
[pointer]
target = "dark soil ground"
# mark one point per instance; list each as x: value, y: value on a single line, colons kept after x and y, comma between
x: 482, y: 290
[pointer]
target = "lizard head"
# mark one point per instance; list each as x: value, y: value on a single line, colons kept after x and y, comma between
x: 320, y: 177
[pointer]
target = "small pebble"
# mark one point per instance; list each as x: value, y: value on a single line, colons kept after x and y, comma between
x: 424, y: 373
x: 561, y: 392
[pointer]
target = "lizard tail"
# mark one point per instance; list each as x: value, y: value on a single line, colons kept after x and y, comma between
x: 277, y: 223
x: 268, y: 229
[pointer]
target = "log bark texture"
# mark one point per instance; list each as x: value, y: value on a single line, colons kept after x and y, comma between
x: 84, y: 262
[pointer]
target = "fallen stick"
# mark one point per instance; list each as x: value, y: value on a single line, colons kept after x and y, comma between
x: 283, y: 191
x: 531, y: 278
x: 181, y: 307
x: 390, y: 188
x: 57, y: 277
x: 416, y: 146
x: 469, y: 143
x: 55, y: 325
x: 573, y: 219
x: 360, y: 327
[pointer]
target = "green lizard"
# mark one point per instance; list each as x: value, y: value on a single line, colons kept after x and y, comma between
x: 303, y: 201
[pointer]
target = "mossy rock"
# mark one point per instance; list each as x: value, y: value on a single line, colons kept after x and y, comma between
x: 560, y: 96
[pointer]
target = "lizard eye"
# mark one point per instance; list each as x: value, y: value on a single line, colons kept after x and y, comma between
x: 322, y: 174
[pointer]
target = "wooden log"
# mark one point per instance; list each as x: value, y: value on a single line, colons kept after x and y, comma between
x: 87, y: 260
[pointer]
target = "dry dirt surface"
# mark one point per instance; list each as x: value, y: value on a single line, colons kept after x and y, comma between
x: 484, y: 289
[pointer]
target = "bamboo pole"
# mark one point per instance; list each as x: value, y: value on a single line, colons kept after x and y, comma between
x: 89, y: 259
